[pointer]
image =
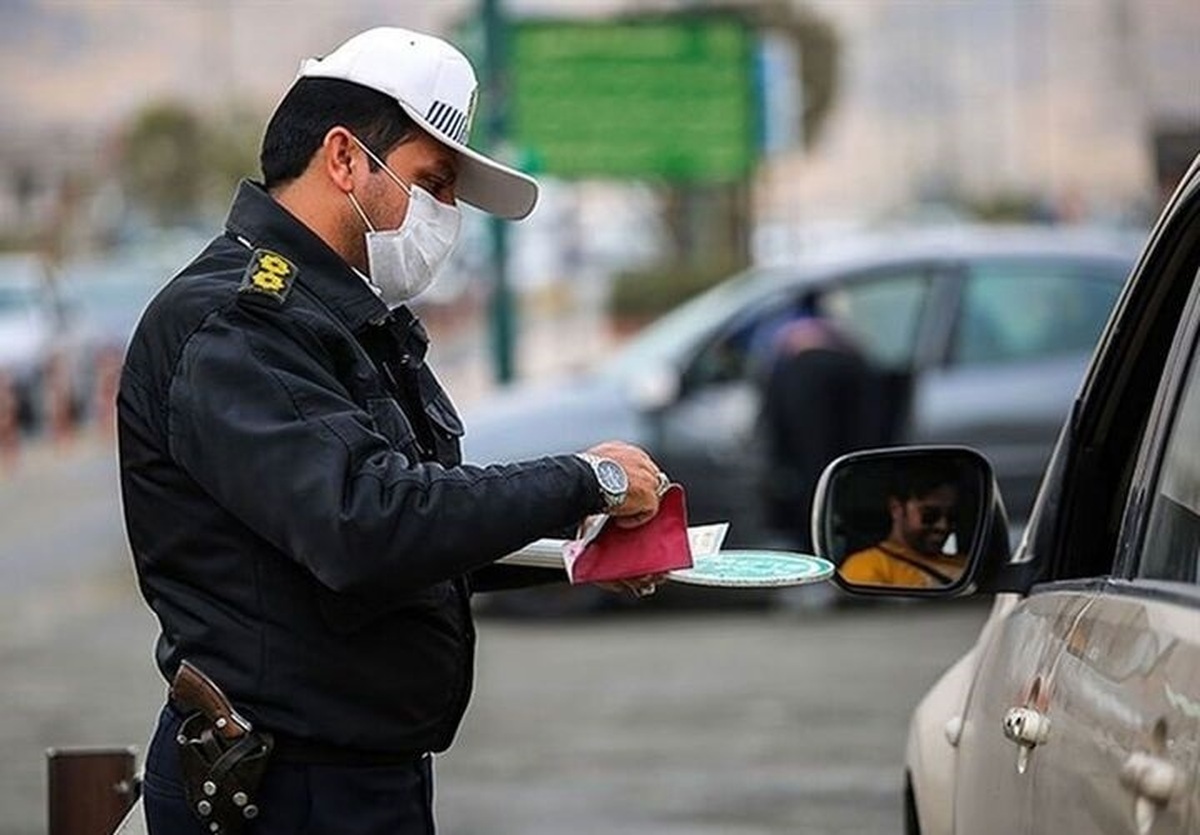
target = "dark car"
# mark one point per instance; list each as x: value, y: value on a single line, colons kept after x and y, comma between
x: 987, y: 330
x: 1076, y: 710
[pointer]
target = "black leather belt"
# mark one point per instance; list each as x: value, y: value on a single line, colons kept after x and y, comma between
x: 294, y: 750
x: 306, y: 752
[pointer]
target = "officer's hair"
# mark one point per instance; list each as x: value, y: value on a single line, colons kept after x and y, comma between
x: 314, y: 105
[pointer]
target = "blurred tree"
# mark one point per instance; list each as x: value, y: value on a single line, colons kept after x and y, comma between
x: 819, y: 69
x: 819, y: 49
x: 1009, y: 207
x: 232, y: 152
x: 638, y: 297
x: 176, y: 166
x: 159, y: 163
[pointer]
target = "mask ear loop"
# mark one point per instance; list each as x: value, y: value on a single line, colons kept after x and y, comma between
x: 358, y: 208
x: 395, y: 177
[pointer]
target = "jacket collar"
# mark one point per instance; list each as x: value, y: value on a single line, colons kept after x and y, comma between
x: 259, y: 221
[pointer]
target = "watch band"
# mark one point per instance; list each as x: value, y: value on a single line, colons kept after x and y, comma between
x: 612, y: 497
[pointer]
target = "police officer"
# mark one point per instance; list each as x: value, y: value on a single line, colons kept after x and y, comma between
x: 301, y: 522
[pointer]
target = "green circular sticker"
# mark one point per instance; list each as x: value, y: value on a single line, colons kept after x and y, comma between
x: 754, y: 569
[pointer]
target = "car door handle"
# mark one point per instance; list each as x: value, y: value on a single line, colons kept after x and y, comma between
x: 1154, y: 778
x: 1028, y: 728
x: 1155, y: 781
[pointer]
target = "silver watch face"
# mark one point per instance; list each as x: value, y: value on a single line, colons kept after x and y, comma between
x: 611, y: 476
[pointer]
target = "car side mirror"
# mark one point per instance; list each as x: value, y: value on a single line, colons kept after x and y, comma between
x: 911, y: 521
x: 655, y: 388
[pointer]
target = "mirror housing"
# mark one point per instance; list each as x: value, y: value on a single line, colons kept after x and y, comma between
x: 913, y: 521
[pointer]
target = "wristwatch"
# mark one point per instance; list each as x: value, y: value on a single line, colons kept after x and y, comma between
x: 611, y: 477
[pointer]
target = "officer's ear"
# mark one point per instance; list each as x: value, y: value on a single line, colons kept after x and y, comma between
x: 340, y: 158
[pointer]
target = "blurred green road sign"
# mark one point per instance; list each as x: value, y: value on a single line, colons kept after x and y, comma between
x: 673, y: 98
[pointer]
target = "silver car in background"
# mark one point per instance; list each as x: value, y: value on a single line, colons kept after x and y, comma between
x: 983, y: 332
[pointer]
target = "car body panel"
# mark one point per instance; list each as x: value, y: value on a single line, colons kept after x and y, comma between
x: 1126, y: 685
x: 931, y: 755
x: 531, y: 421
x: 707, y: 442
x: 993, y: 790
x: 1016, y: 432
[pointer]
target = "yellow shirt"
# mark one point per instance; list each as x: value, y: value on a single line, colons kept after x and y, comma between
x: 875, y: 566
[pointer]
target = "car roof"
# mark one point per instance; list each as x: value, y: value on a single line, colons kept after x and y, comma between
x: 863, y: 252
x: 670, y: 337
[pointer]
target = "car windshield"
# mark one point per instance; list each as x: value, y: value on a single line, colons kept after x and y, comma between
x: 667, y: 340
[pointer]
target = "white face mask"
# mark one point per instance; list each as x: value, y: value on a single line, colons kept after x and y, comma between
x: 404, y: 262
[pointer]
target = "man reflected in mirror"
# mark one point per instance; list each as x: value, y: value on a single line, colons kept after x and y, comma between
x: 919, y: 550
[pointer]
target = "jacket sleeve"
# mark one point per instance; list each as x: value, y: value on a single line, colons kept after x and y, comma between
x: 258, y: 418
x: 505, y: 577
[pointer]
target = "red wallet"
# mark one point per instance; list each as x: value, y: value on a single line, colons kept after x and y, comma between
x: 609, y: 552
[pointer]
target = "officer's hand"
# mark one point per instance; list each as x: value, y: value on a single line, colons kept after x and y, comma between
x: 646, y: 483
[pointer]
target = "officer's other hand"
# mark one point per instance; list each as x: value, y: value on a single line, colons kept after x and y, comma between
x: 645, y: 484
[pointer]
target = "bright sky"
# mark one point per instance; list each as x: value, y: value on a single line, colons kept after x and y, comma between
x: 90, y: 63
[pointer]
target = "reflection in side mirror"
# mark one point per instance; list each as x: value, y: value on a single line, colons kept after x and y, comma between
x: 904, y: 520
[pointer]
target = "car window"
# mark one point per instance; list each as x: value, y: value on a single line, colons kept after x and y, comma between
x: 745, y: 347
x: 883, y: 314
x: 670, y: 339
x: 1018, y: 312
x: 1171, y: 548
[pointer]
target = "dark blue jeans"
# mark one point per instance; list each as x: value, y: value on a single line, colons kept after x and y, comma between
x: 297, y: 798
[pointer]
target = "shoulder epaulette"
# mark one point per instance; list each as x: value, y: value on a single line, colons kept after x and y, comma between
x: 268, y: 274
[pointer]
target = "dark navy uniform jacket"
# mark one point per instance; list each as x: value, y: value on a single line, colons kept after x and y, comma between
x: 300, y: 520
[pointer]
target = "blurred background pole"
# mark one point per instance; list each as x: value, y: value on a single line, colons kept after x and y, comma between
x: 503, y: 313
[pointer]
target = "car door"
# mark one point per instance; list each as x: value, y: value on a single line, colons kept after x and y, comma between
x: 709, y: 438
x: 1024, y: 330
x: 1082, y: 715
x: 1124, y: 750
x: 994, y: 783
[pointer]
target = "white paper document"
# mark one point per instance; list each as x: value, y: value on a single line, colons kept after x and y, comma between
x: 704, y: 540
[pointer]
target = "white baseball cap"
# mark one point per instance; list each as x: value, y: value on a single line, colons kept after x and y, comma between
x: 436, y: 86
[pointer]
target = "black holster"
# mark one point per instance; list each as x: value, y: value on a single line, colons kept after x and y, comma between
x: 221, y: 776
